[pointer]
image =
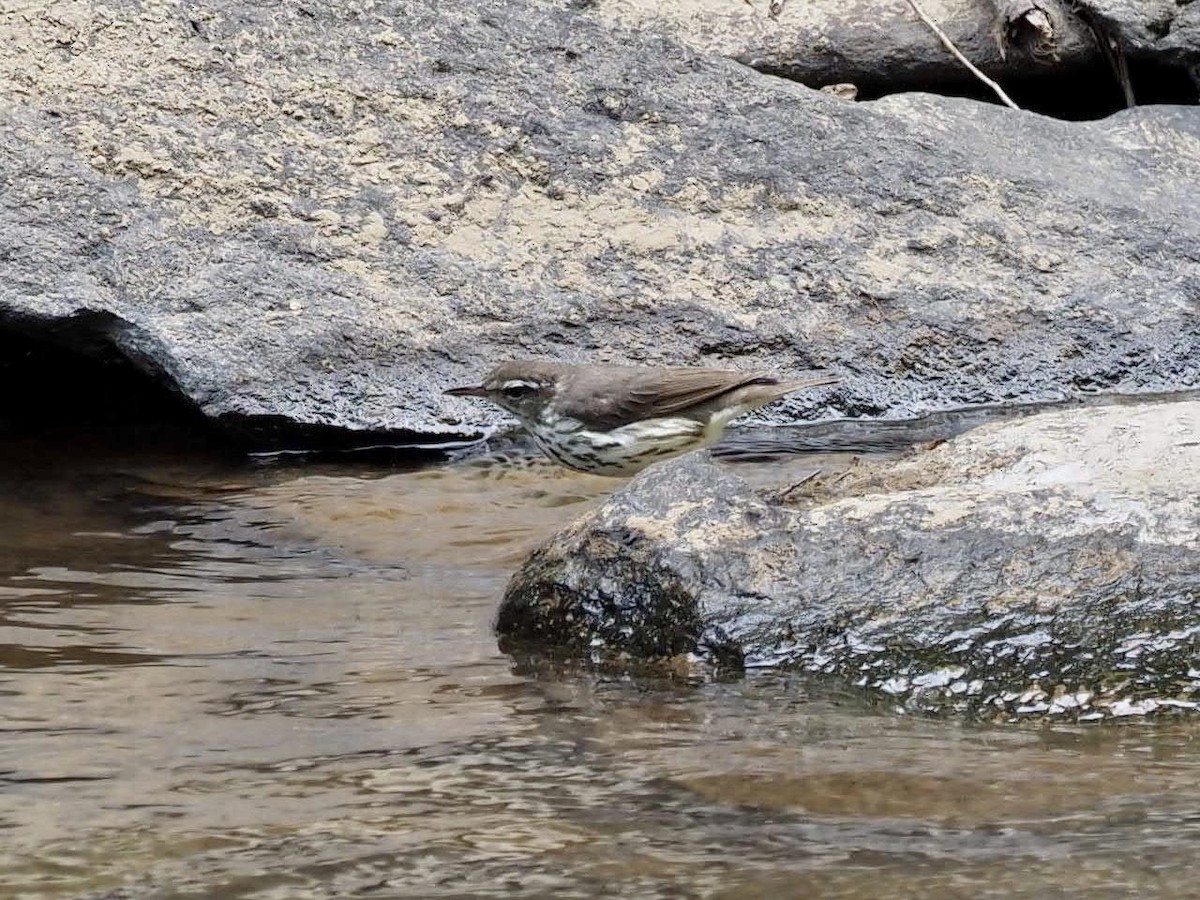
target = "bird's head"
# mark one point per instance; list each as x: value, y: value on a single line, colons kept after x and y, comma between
x: 522, y: 388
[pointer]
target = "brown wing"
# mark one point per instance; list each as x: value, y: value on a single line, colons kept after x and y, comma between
x: 629, y: 395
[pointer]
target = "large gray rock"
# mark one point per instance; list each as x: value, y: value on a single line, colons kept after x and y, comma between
x: 880, y: 47
x: 321, y: 214
x: 1167, y: 30
x: 885, y: 47
x: 1048, y: 567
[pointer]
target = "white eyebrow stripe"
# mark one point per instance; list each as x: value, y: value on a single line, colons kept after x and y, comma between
x: 520, y: 382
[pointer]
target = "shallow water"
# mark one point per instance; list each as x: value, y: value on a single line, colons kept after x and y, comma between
x: 220, y: 680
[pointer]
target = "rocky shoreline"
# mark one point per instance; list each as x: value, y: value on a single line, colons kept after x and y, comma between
x: 296, y: 224
x: 297, y: 220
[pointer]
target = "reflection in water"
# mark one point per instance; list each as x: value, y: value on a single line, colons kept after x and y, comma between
x: 260, y: 682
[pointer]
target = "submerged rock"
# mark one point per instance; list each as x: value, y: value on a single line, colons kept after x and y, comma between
x: 1048, y: 566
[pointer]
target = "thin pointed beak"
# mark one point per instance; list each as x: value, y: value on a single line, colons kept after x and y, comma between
x: 473, y: 390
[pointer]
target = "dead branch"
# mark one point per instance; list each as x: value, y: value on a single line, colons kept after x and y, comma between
x: 1027, y: 24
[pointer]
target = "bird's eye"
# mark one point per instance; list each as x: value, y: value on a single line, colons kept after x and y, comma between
x: 514, y: 390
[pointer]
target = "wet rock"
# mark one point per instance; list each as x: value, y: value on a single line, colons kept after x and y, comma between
x: 1044, y: 567
x: 317, y: 216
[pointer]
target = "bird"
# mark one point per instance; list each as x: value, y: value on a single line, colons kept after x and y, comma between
x: 616, y: 420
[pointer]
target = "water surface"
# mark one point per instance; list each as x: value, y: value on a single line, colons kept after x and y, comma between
x: 224, y: 680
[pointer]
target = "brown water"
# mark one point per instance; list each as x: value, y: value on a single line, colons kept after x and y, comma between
x: 222, y: 681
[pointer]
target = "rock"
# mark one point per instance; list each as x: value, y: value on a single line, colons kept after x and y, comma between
x: 880, y: 48
x: 885, y: 48
x: 317, y: 216
x: 1048, y: 566
x: 1166, y: 30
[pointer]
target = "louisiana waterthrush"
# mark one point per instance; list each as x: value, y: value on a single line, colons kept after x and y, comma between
x: 616, y: 420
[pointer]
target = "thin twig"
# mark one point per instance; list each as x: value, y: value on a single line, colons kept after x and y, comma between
x: 1121, y: 65
x: 949, y: 45
x: 1115, y: 56
x: 803, y: 481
